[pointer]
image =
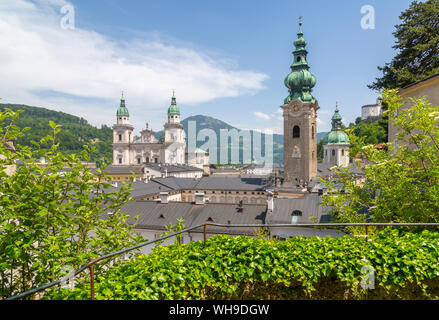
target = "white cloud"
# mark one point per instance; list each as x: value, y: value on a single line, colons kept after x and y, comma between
x: 83, y: 72
x: 262, y: 115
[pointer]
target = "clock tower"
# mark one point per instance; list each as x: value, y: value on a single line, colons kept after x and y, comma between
x: 300, y: 119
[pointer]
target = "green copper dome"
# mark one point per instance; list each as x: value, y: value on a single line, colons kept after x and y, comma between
x: 300, y: 81
x: 173, y: 108
x: 122, y: 110
x: 337, y: 135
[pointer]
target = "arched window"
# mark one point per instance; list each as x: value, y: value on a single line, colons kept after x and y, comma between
x: 120, y: 137
x: 297, y: 213
x: 138, y: 160
x: 147, y: 159
x: 296, y: 132
x: 333, y: 152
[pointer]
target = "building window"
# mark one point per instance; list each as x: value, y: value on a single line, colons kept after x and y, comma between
x: 147, y: 159
x: 120, y: 137
x: 297, y: 213
x: 156, y: 160
x: 138, y: 160
x: 312, y: 132
x: 333, y: 153
x: 120, y: 160
x: 342, y: 152
x: 296, y: 132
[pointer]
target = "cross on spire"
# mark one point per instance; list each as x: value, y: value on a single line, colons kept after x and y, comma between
x: 300, y: 21
x: 122, y: 94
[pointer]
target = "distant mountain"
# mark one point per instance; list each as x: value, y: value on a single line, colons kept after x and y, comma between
x: 206, y: 122
x: 321, y: 135
x: 75, y: 131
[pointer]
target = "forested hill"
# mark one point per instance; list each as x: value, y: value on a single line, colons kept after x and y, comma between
x: 75, y: 131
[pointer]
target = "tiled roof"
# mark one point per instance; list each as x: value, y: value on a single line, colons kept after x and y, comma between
x: 227, y: 183
x: 155, y: 215
x: 142, y: 189
x: 309, y: 206
x: 121, y: 169
x: 172, y: 167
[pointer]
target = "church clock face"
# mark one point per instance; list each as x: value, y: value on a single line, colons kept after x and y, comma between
x: 296, y: 107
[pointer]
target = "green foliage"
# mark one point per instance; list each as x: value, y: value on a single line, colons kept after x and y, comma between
x: 406, y: 266
x: 51, y: 217
x: 417, y: 42
x: 401, y: 183
x: 74, y: 134
x: 171, y: 228
x: 374, y: 133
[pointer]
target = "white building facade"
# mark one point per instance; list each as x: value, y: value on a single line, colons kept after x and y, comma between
x: 148, y: 149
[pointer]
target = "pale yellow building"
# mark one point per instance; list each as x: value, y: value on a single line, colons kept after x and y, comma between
x: 428, y: 88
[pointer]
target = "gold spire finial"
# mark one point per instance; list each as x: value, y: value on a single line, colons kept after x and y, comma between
x: 122, y: 94
x: 336, y: 106
x: 300, y: 21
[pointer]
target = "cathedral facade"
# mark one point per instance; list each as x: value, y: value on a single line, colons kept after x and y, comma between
x: 129, y: 150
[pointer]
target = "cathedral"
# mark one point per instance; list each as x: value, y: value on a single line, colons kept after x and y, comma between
x: 131, y: 150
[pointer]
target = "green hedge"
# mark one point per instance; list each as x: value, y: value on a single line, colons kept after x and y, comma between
x: 406, y: 267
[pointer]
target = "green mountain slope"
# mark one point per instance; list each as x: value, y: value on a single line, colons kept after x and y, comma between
x: 75, y: 131
x: 206, y: 122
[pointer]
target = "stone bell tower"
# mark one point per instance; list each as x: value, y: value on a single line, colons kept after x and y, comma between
x: 300, y: 119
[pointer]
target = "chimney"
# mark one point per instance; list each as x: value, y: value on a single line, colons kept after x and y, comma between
x: 199, y: 198
x: 270, y: 203
x: 164, y: 197
x: 240, y: 207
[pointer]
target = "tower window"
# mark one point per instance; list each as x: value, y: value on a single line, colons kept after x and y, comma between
x: 298, y: 59
x: 333, y: 153
x: 296, y: 132
x: 342, y: 152
x: 312, y: 132
x: 120, y: 137
x: 138, y: 160
x: 120, y: 160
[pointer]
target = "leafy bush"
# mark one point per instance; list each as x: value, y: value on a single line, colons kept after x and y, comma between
x: 406, y: 266
x: 51, y: 216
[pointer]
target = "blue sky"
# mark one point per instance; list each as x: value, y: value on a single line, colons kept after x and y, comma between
x: 226, y: 59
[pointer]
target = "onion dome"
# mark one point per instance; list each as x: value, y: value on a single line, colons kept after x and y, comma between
x: 122, y: 110
x: 173, y: 108
x: 337, y: 135
x: 300, y: 81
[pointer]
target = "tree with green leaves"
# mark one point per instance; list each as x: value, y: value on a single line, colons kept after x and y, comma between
x: 417, y: 42
x: 401, y: 182
x: 53, y: 218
